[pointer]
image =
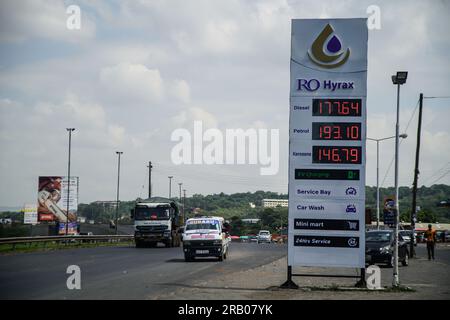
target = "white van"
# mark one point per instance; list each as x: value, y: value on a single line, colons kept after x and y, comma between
x: 205, y: 237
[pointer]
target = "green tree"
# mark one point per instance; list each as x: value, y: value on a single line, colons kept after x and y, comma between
x: 426, y: 216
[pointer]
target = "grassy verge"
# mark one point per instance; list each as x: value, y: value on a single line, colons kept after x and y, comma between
x: 48, y: 246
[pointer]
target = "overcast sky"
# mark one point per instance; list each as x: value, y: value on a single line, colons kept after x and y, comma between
x: 137, y: 70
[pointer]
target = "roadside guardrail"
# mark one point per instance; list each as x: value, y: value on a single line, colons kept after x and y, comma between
x: 65, y: 239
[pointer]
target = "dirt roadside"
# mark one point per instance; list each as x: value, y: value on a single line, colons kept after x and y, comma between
x: 428, y: 280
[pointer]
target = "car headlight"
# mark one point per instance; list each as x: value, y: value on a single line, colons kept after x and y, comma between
x: 385, y: 249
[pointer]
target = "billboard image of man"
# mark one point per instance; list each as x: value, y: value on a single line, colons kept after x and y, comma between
x: 51, y: 207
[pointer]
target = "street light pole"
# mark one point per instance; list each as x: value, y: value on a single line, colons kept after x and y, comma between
x: 180, y: 184
x: 378, y: 184
x: 395, y: 280
x: 404, y: 136
x: 118, y: 181
x: 68, y: 179
x: 170, y: 186
x: 398, y: 79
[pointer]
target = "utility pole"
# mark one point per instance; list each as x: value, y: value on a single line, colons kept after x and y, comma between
x: 416, y: 177
x: 170, y: 186
x: 184, y: 205
x: 68, y: 180
x: 117, y: 202
x: 150, y: 179
x: 180, y: 184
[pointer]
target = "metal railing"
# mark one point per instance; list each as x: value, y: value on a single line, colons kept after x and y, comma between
x: 65, y: 239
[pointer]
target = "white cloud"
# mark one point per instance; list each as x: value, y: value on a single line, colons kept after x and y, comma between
x: 181, y: 91
x: 133, y: 82
x: 185, y: 119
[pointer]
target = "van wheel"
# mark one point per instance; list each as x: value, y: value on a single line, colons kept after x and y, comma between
x: 139, y: 244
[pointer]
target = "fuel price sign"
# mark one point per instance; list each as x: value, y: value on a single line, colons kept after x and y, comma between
x: 327, y: 132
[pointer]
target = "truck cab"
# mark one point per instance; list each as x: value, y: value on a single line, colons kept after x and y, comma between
x: 156, y: 220
x: 205, y: 237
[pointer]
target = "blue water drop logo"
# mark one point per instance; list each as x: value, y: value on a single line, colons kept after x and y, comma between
x: 334, y: 45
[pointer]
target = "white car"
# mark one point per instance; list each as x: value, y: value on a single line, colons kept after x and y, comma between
x: 264, y: 236
x: 406, y: 235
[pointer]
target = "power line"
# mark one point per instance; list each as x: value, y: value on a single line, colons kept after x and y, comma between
x: 248, y: 181
x: 437, y: 97
x: 446, y: 173
x: 196, y: 173
x: 436, y: 172
x: 393, y: 157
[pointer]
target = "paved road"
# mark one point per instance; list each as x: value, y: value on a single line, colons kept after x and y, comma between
x: 424, y: 274
x: 120, y: 272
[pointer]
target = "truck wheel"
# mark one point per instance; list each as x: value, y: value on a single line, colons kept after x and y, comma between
x: 138, y: 244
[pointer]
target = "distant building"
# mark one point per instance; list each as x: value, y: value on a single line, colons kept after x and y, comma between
x: 273, y: 203
x: 250, y: 220
x: 106, y: 204
x: 252, y: 205
x: 81, y: 219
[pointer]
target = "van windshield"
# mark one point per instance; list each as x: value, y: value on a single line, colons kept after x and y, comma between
x: 203, y: 225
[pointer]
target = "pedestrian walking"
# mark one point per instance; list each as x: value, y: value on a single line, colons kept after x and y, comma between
x: 430, y: 237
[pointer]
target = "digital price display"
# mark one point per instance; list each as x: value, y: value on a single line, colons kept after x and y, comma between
x: 337, y: 107
x: 326, y: 174
x: 336, y: 131
x: 336, y: 154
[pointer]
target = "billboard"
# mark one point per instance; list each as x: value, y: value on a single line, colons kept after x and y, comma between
x: 52, y: 199
x: 30, y: 215
x: 327, y: 150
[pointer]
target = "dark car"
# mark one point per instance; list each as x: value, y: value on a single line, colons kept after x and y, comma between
x: 380, y: 248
